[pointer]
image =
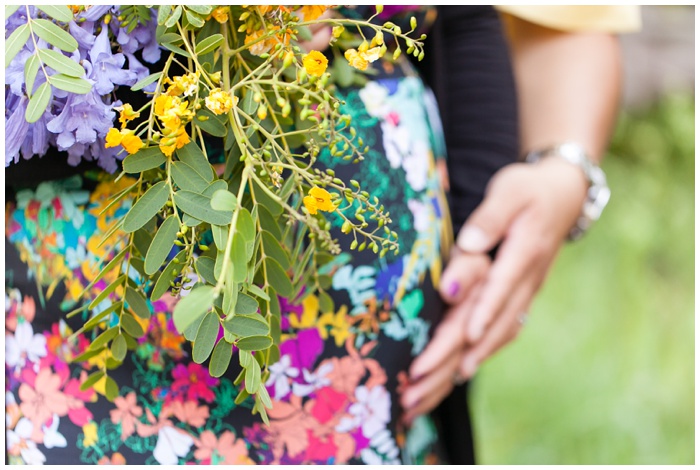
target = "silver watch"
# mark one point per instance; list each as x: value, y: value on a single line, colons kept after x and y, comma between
x: 598, y: 192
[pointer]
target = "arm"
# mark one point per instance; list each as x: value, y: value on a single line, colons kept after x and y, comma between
x: 569, y: 86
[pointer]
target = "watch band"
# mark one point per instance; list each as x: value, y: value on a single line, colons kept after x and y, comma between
x: 598, y: 193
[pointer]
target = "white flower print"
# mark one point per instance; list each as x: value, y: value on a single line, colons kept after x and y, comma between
x: 172, y: 443
x: 374, y: 97
x: 280, y: 373
x: 20, y: 438
x: 371, y: 411
x: 314, y: 381
x: 24, y: 345
x: 53, y: 438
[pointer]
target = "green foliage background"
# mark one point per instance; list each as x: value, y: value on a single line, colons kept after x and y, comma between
x: 603, y: 373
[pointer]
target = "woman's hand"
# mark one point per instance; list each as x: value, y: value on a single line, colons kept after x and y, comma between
x: 529, y: 210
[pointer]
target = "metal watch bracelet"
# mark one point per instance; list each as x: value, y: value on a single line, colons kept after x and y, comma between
x: 598, y: 193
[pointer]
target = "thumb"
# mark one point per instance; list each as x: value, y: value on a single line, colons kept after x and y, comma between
x: 489, y: 222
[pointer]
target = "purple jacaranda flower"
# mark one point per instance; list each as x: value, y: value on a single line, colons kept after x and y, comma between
x: 95, y: 12
x: 141, y: 37
x: 14, y: 73
x: 18, y: 18
x: 16, y: 128
x: 83, y: 33
x: 107, y: 67
x: 38, y: 138
x: 81, y: 120
x: 141, y: 72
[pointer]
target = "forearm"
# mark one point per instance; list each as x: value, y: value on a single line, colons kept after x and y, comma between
x: 568, y: 85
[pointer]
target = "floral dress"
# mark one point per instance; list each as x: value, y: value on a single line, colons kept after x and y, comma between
x: 334, y: 389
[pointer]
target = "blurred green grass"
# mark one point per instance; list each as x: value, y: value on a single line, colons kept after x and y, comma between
x: 603, y: 373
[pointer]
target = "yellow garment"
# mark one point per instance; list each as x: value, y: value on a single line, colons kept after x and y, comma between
x: 580, y: 18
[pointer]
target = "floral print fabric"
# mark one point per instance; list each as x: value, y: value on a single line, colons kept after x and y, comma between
x: 334, y: 387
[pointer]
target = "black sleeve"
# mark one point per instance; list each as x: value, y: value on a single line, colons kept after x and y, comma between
x: 467, y: 64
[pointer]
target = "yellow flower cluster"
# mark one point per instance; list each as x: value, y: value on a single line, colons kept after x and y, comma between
x: 220, y: 102
x: 126, y: 114
x: 220, y: 14
x: 366, y: 53
x: 126, y: 138
x: 315, y: 63
x: 173, y: 113
x: 182, y: 85
x: 318, y: 200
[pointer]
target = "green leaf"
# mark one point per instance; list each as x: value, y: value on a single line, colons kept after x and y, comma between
x: 162, y: 244
x: 143, y: 238
x: 137, y: 302
x: 54, y: 35
x: 164, y: 13
x: 38, y: 103
x: 264, y: 397
x: 262, y: 198
x: 238, y: 257
x: 108, y: 267
x: 15, y: 43
x: 246, y: 227
x: 220, y: 358
x: 201, y: 9
x: 199, y: 206
x: 170, y: 22
x: 89, y: 354
x: 194, y: 19
x: 131, y: 325
x: 246, y: 304
x: 187, y: 178
x: 252, y: 377
x: 177, y: 50
x: 272, y: 248
x: 111, y: 389
x: 10, y: 9
x: 146, y: 207
x: 91, y: 380
x: 79, y: 86
x: 325, y: 302
x: 171, y: 38
x: 61, y: 63
x: 209, y: 44
x: 255, y: 290
x: 277, y: 277
x: 194, y: 157
x: 31, y: 68
x: 144, y: 82
x: 191, y: 332
x: 246, y: 326
x: 118, y: 348
x: 248, y: 104
x: 224, y: 200
x: 213, y: 187
x: 98, y: 318
x: 107, y: 290
x: 304, y: 33
x: 104, y: 338
x: 57, y: 12
x: 230, y: 299
x: 242, y: 396
x: 205, y: 268
x: 206, y: 337
x: 166, y: 276
x: 191, y: 307
x: 211, y: 124
x: 220, y: 235
x: 145, y: 159
x: 254, y: 343
x: 268, y: 222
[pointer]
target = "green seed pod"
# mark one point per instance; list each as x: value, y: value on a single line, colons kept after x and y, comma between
x: 353, y: 245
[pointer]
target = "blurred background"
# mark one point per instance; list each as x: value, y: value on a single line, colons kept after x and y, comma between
x: 604, y: 371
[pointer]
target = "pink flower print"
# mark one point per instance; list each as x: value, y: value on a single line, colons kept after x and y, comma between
x: 371, y: 411
x: 320, y: 450
x: 24, y: 346
x: 281, y: 373
x: 327, y: 404
x: 18, y: 309
x: 40, y: 403
x: 77, y: 413
x: 188, y: 412
x: 127, y: 414
x: 226, y: 450
x: 193, y: 381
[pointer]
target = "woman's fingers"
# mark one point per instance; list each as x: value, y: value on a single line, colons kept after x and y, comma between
x: 422, y: 396
x: 462, y: 273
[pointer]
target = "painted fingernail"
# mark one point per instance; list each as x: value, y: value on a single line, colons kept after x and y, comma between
x: 472, y: 239
x: 453, y: 289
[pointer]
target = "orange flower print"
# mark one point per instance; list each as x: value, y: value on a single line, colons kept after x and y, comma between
x: 225, y: 450
x: 116, y: 459
x: 127, y: 413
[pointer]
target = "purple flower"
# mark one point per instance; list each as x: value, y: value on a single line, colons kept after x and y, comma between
x: 38, y: 138
x: 107, y: 67
x: 142, y: 37
x: 18, y: 18
x: 16, y: 128
x: 95, y: 12
x: 82, y: 118
x: 83, y: 34
x: 14, y: 73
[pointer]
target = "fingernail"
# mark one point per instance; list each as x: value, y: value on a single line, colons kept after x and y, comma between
x: 472, y: 239
x: 453, y: 289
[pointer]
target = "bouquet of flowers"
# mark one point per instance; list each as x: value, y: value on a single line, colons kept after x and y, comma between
x: 217, y: 151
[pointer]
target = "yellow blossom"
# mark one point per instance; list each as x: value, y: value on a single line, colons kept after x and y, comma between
x: 361, y: 58
x: 172, y: 111
x: 311, y: 12
x: 269, y: 43
x: 126, y: 138
x: 315, y: 63
x: 183, y: 85
x: 178, y: 139
x: 126, y: 114
x: 356, y: 60
x: 89, y: 434
x: 338, y: 323
x: 318, y: 199
x: 220, y: 102
x: 220, y: 14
